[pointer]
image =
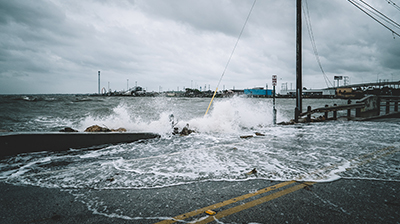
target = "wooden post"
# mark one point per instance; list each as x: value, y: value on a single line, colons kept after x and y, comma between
x: 358, y: 112
x: 378, y: 102
x: 326, y: 113
x: 335, y: 112
x: 349, y: 110
x: 296, y: 115
x: 387, y: 106
x: 379, y: 106
x: 308, y: 115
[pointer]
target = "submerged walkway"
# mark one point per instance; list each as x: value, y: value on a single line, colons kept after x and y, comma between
x: 342, y: 201
x: 346, y: 200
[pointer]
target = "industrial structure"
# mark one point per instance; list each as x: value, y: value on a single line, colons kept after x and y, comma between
x: 356, y: 91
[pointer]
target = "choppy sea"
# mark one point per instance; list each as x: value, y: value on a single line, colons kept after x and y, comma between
x: 215, y: 152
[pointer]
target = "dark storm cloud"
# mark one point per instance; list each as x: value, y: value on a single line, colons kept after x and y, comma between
x: 29, y: 13
x: 58, y: 46
x: 349, y: 42
x: 391, y: 57
x: 215, y: 16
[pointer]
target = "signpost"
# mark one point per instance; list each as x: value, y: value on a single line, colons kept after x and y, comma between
x: 274, y: 82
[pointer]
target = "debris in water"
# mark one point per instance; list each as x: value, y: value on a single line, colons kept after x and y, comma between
x: 287, y: 123
x: 246, y: 136
x: 253, y: 171
x: 172, y: 120
x: 259, y: 134
x: 110, y: 179
x: 186, y: 131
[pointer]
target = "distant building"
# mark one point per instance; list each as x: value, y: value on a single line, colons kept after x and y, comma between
x: 312, y: 92
x: 348, y: 92
x: 288, y: 92
x: 232, y: 92
x: 258, y: 92
x: 309, y: 92
x: 328, y: 92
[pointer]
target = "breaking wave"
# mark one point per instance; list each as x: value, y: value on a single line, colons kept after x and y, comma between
x: 215, y: 152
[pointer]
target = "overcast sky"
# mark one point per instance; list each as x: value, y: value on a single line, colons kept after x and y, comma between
x: 56, y: 46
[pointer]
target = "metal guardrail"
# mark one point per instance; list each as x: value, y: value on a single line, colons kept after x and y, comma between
x: 334, y: 108
x: 366, y: 108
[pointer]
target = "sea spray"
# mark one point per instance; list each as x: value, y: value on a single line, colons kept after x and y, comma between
x: 229, y: 115
x: 215, y: 152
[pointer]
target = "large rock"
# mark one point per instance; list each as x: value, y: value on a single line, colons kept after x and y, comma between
x: 119, y: 130
x: 96, y: 128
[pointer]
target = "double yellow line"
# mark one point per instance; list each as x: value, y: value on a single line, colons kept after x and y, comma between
x: 359, y: 161
x: 240, y: 207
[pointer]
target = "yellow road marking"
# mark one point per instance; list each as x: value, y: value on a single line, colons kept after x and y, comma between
x: 224, y: 203
x: 254, y: 203
x: 382, y: 153
x: 362, y: 161
x: 375, y: 152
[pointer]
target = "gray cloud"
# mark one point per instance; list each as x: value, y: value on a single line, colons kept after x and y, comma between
x: 50, y: 46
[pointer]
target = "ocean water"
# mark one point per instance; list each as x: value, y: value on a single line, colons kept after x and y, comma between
x: 315, y: 151
x: 215, y: 152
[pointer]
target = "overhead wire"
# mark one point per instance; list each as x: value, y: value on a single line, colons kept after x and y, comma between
x: 313, y: 44
x: 390, y: 2
x: 230, y: 57
x: 381, y: 15
x: 370, y: 11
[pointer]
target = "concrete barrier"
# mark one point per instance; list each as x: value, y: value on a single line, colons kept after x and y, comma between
x: 15, y: 143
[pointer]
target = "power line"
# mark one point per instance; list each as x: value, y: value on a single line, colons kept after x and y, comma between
x: 390, y: 2
x: 237, y: 41
x: 375, y: 12
x: 313, y: 44
x: 381, y: 15
x: 230, y: 57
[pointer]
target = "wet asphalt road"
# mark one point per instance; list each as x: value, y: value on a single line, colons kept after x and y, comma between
x: 341, y: 201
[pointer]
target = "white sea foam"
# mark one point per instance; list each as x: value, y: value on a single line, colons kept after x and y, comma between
x: 316, y: 152
x: 227, y: 116
x: 231, y: 116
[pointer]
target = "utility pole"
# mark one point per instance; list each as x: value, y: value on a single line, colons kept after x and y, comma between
x: 99, y: 82
x: 299, y: 87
